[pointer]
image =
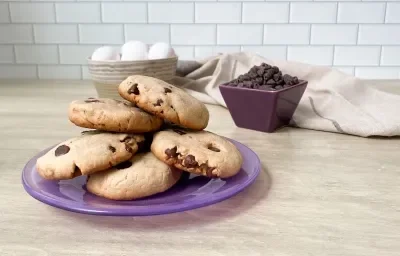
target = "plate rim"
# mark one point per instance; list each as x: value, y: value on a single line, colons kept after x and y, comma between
x: 159, y: 210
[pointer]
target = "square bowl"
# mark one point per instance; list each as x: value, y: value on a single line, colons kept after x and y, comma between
x: 262, y: 110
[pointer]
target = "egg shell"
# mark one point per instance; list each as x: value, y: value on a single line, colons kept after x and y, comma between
x: 105, y: 53
x: 161, y: 50
x: 134, y: 50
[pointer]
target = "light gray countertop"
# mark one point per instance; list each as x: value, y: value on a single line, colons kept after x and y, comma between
x: 318, y: 193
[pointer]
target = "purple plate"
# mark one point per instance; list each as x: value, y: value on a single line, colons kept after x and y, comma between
x: 189, y: 193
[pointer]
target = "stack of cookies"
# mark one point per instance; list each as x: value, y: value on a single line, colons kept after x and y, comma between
x: 142, y: 145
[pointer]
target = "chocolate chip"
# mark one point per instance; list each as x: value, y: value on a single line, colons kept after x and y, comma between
x: 172, y: 107
x: 240, y: 85
x: 277, y: 76
x: 254, y: 69
x: 162, y: 112
x: 268, y: 74
x: 179, y: 132
x: 171, y: 152
x: 128, y: 148
x: 259, y: 80
x: 287, y: 78
x: 275, y: 69
x: 134, y: 89
x: 207, y: 170
x: 280, y: 82
x: 159, y: 101
x: 167, y: 90
x: 62, y: 150
x: 91, y: 100
x: 253, y: 74
x: 112, y: 149
x: 278, y: 87
x: 127, y: 138
x: 190, y: 161
x: 212, y: 148
x: 260, y: 72
x: 265, y: 65
x: 271, y: 82
x: 124, y: 165
x: 247, y: 84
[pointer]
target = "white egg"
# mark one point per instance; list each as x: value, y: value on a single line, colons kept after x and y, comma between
x: 105, y: 53
x: 161, y: 51
x: 134, y: 50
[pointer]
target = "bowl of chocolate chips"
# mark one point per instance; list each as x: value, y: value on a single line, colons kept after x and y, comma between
x: 263, y: 99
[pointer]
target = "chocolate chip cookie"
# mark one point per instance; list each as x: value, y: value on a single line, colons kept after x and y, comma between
x: 91, y: 152
x: 139, y: 177
x: 198, y: 152
x: 165, y: 100
x: 112, y: 115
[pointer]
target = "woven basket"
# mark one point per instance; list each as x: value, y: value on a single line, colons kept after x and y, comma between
x: 107, y: 75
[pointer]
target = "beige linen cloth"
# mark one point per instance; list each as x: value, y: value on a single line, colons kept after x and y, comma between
x: 332, y: 102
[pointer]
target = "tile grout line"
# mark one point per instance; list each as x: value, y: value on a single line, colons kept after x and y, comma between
x: 124, y: 33
x: 101, y: 13
x: 170, y: 34
x: 14, y: 55
x: 9, y: 12
x: 58, y: 54
x: 337, y: 13
x: 147, y: 12
x: 222, y: 45
x: 211, y: 23
x: 216, y: 34
x: 357, y: 35
x: 55, y: 13
x: 13, y: 45
x: 241, y: 12
x: 79, y: 33
x: 384, y: 21
x: 385, y: 12
x: 194, y: 12
x: 287, y: 46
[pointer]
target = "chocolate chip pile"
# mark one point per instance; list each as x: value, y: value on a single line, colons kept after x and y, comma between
x: 264, y: 77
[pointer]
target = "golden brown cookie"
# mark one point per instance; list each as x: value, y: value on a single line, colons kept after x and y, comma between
x: 165, y: 100
x: 112, y: 115
x: 198, y: 152
x: 143, y: 175
x: 91, y: 152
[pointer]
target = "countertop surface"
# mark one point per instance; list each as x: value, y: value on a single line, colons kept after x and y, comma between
x: 318, y: 193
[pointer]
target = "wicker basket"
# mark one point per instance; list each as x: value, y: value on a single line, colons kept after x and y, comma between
x: 107, y: 75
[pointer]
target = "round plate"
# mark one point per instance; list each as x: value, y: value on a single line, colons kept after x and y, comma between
x: 189, y: 193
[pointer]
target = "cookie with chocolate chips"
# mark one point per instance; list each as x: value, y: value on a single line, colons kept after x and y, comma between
x: 112, y: 115
x: 165, y: 101
x: 141, y: 176
x: 199, y: 152
x: 91, y: 152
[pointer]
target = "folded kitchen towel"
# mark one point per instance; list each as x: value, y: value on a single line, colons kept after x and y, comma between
x: 333, y: 101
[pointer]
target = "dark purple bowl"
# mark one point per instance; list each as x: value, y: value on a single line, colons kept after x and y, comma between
x: 262, y: 110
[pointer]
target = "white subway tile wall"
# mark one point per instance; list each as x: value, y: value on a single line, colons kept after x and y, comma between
x: 50, y: 39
